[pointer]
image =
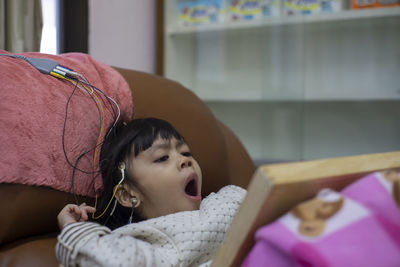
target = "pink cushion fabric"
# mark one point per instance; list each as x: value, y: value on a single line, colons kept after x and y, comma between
x: 363, y: 231
x: 32, y: 113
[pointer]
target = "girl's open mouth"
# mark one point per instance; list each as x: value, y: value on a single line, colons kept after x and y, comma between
x: 191, y: 188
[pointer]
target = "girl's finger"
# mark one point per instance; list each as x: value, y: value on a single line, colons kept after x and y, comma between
x: 70, y: 208
x: 75, y: 211
x: 90, y: 209
x: 84, y: 216
x: 85, y: 211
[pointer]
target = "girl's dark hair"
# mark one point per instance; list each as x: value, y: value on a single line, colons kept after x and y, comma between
x: 123, y: 141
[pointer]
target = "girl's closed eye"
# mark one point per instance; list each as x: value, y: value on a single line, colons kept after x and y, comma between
x: 186, y: 154
x: 161, y: 159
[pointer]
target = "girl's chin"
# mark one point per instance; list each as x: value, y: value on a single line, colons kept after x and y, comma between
x: 193, y: 203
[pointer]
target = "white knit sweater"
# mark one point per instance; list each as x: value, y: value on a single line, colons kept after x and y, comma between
x: 188, y: 238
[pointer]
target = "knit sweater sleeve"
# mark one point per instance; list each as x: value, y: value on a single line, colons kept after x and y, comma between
x: 188, y: 238
x: 90, y: 244
x: 74, y: 236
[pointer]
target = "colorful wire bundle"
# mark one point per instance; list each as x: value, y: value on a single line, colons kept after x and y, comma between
x: 80, y: 82
x: 51, y: 67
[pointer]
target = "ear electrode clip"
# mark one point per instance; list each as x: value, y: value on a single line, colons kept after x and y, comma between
x: 135, y: 203
x: 121, y: 167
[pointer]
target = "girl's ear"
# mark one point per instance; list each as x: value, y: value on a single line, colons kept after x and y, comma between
x: 124, y: 195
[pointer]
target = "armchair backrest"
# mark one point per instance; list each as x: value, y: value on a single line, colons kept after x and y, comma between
x: 28, y: 225
x: 221, y: 155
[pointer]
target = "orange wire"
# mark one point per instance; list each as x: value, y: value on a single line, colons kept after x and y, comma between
x: 97, y: 149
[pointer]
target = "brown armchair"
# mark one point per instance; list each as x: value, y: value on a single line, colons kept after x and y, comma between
x: 28, y: 225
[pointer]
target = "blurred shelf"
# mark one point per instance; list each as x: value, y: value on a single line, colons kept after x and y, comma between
x: 295, y: 87
x: 345, y: 15
x: 393, y: 95
x: 288, y: 99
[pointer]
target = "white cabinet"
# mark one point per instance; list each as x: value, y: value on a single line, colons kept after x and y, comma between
x: 296, y: 87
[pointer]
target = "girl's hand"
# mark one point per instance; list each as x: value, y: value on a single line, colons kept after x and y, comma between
x: 73, y: 213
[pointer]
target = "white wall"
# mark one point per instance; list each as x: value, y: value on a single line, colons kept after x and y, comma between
x: 48, y: 44
x: 122, y: 33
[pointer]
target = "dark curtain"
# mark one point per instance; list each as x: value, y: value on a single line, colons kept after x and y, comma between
x: 73, y: 26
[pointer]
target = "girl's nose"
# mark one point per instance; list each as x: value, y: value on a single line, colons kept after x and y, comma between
x: 186, y: 162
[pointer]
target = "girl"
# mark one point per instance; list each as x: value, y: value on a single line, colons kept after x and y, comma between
x: 151, y: 208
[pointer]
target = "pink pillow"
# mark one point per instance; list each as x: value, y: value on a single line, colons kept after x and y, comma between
x: 32, y: 114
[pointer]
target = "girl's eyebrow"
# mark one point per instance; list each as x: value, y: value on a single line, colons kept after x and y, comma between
x: 180, y: 143
x: 167, y: 145
x: 160, y: 146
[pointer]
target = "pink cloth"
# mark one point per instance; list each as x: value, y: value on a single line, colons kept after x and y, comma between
x: 365, y: 231
x: 32, y: 112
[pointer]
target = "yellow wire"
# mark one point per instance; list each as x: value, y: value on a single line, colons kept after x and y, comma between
x: 101, y: 125
x: 95, y: 204
x: 57, y: 75
x: 97, y: 149
x: 75, y: 83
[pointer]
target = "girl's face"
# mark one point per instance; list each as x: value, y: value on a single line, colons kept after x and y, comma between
x: 168, y: 177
